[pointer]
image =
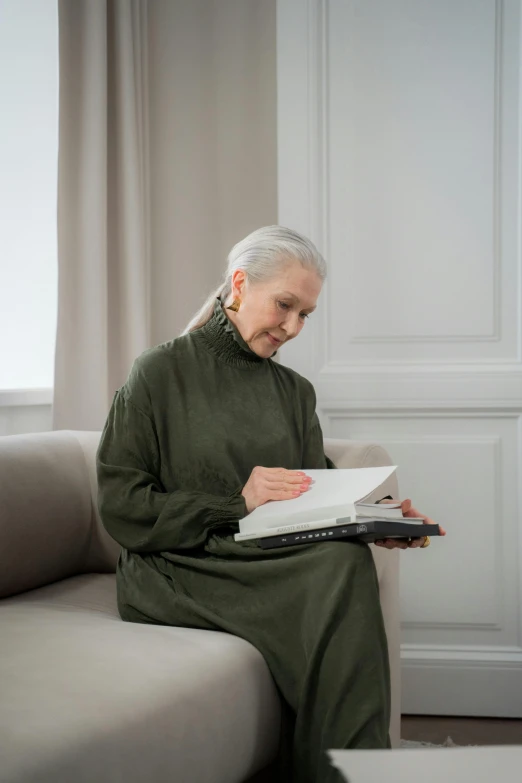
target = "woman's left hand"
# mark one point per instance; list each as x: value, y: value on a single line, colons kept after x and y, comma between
x: 407, y: 511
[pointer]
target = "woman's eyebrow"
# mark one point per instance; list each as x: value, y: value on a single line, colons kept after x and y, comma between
x: 293, y: 296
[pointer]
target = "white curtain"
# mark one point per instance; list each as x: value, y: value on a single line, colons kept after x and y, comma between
x: 103, y: 206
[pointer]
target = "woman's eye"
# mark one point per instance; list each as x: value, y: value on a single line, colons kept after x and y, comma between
x: 285, y: 306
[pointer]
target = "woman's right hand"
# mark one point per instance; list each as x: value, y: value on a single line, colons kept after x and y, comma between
x: 273, y: 484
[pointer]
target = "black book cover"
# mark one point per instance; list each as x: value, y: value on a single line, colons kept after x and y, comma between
x: 365, y: 531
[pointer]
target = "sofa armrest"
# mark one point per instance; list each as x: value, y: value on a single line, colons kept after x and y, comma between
x: 357, y: 454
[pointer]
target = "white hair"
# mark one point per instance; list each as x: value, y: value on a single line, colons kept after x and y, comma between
x: 261, y: 255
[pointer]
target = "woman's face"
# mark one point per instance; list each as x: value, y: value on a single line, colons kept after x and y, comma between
x: 275, y: 310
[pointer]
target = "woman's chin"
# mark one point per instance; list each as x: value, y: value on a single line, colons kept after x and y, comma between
x: 265, y: 350
x: 265, y: 353
x: 263, y: 346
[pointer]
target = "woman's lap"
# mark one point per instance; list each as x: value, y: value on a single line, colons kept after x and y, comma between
x: 235, y: 580
x: 314, y: 614
x: 287, y: 604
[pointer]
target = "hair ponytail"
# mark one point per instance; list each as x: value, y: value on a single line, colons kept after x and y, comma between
x: 205, y: 312
x: 261, y: 255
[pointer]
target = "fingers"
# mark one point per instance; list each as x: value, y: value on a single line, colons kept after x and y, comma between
x: 291, y: 483
x: 279, y: 483
x: 392, y: 543
x: 297, y: 489
x: 398, y: 543
x: 266, y: 484
x: 413, y: 512
x: 278, y: 477
x: 283, y: 472
x: 284, y: 491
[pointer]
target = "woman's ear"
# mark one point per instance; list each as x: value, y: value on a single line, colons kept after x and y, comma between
x: 238, y: 283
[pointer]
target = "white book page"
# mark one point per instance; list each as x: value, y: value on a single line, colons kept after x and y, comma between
x: 333, y: 494
x: 378, y: 505
x: 382, y: 510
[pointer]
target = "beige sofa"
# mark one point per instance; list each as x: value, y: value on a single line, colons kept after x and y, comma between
x: 86, y: 697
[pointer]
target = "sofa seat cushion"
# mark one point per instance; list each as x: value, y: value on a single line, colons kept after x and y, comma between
x: 86, y: 696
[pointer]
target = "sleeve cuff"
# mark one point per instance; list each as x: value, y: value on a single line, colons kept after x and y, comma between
x: 232, y: 508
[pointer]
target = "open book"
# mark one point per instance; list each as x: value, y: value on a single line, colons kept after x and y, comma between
x: 335, y: 497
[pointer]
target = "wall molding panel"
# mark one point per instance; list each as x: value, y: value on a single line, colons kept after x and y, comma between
x: 400, y: 155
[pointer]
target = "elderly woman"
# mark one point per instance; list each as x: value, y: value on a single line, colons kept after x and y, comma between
x: 206, y: 428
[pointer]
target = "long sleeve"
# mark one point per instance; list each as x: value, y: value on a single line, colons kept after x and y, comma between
x: 134, y: 507
x: 314, y: 456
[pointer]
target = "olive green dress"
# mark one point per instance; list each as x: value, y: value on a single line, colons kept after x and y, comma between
x: 195, y: 416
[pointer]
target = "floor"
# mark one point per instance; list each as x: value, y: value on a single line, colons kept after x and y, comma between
x: 463, y: 731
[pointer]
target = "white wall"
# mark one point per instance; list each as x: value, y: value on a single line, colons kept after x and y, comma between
x: 25, y: 411
x: 400, y: 154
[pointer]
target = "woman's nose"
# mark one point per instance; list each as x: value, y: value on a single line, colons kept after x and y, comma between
x: 291, y: 327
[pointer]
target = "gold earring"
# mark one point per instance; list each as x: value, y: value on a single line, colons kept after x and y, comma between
x: 235, y: 305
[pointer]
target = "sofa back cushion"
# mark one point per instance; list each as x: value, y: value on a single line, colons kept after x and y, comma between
x: 48, y: 525
x: 103, y: 551
x: 50, y: 528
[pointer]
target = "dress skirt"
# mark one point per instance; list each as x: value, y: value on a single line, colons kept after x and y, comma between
x: 314, y: 613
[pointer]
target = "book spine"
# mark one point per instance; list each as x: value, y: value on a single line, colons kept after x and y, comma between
x: 315, y: 536
x: 295, y: 528
x: 366, y: 531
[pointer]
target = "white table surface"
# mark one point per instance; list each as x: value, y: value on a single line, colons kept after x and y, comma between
x: 485, y: 764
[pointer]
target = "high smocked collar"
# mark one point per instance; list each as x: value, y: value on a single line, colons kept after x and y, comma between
x: 223, y: 339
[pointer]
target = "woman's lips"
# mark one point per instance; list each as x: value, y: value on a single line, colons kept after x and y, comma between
x: 273, y: 340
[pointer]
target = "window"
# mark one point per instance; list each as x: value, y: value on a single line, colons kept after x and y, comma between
x: 28, y: 185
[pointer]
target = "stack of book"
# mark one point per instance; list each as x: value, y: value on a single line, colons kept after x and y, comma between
x: 333, y: 508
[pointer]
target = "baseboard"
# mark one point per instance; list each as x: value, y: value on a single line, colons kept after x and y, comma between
x: 471, y: 688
